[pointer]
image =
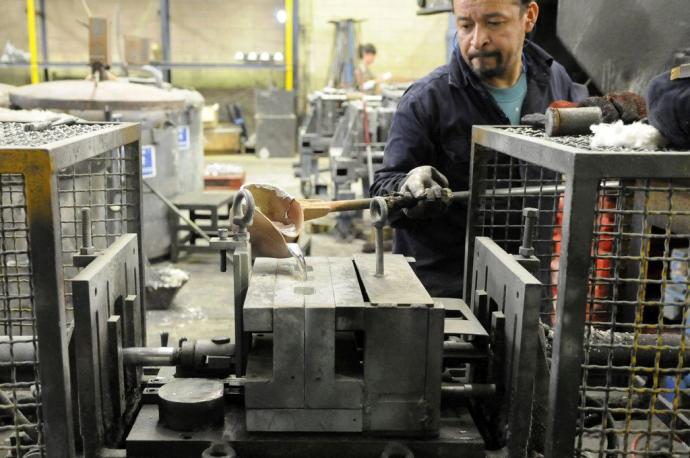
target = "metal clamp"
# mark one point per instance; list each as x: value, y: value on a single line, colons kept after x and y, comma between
x: 379, y: 218
x: 242, y: 217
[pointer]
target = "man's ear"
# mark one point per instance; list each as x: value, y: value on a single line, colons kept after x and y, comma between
x: 531, y: 16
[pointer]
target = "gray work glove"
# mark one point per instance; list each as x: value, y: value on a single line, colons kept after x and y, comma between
x: 425, y: 180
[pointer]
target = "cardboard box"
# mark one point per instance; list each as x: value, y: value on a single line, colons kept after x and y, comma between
x: 209, y: 116
x: 223, y: 139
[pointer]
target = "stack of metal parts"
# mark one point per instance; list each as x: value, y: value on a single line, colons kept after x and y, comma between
x: 615, y: 381
x: 323, y: 114
x: 51, y: 182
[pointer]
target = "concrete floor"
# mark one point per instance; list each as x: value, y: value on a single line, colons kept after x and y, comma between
x: 203, y: 307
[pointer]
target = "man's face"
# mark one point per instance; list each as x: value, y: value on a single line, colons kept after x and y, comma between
x: 369, y: 58
x: 491, y: 34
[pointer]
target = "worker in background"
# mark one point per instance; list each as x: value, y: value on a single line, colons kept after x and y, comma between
x: 495, y: 76
x: 364, y: 77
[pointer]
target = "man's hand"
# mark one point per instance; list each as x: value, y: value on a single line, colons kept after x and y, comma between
x: 425, y: 180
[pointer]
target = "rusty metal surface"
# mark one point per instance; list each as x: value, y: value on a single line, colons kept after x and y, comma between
x: 89, y: 95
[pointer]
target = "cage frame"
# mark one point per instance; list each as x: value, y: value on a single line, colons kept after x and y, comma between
x: 582, y: 171
x: 40, y: 167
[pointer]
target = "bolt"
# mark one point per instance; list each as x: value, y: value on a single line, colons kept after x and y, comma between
x: 530, y: 214
x: 86, y: 239
x: 223, y: 233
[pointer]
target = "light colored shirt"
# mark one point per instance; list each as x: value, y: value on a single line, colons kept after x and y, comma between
x: 510, y: 99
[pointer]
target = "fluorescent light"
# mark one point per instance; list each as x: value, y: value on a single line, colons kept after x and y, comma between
x: 281, y: 16
x: 239, y: 55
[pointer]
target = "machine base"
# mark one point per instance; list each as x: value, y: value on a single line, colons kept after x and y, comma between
x: 458, y: 437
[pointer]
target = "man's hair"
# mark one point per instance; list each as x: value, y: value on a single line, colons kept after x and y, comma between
x: 523, y: 4
x: 366, y: 48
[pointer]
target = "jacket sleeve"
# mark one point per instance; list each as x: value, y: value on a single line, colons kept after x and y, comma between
x: 409, y: 144
x: 575, y: 92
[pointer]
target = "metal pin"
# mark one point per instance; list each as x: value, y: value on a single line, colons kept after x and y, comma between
x: 379, y: 217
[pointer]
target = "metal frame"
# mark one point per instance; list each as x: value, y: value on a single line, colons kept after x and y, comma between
x: 40, y: 167
x: 583, y: 170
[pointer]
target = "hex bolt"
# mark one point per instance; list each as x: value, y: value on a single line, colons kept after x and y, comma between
x: 530, y: 214
x: 379, y: 217
x: 223, y: 233
x: 86, y: 239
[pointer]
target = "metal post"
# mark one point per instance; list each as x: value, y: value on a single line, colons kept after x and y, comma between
x: 44, y: 38
x: 579, y: 199
x: 31, y: 29
x: 295, y: 45
x: 165, y: 37
x: 289, y: 48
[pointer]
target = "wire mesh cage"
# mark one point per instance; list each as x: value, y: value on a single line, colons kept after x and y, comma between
x: 612, y: 240
x: 46, y: 178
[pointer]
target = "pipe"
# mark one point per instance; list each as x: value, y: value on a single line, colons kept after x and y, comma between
x: 33, y: 49
x: 146, y: 356
x: 462, y: 351
x: 289, y: 30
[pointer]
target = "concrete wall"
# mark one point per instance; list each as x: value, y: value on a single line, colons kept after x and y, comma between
x: 408, y: 45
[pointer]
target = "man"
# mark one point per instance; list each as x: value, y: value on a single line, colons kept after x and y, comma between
x: 494, y: 77
x: 366, y: 81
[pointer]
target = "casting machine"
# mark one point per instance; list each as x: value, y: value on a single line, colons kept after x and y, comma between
x: 350, y: 356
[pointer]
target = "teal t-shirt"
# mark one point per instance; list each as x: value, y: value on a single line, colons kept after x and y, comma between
x: 510, y: 99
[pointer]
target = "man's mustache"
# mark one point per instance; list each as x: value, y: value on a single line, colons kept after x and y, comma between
x: 495, y: 54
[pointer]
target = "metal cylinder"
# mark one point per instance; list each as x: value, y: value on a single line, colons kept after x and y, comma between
x: 571, y: 121
x: 188, y: 404
x: 150, y: 356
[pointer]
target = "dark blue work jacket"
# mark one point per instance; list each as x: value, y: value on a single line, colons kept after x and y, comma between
x: 433, y: 126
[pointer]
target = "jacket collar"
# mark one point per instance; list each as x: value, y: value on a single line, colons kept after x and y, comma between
x: 537, y: 61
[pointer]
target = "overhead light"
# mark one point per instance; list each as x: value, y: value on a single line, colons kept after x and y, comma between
x: 281, y: 16
x: 239, y: 55
x: 265, y: 56
x: 278, y: 57
x: 252, y: 56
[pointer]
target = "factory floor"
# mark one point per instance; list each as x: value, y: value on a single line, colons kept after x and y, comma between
x: 203, y: 306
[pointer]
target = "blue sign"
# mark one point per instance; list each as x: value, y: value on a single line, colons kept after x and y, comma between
x: 148, y: 161
x: 183, y: 137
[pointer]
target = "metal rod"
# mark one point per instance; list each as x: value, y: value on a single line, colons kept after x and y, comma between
x: 473, y: 390
x: 150, y: 356
x: 379, y: 217
x: 177, y: 211
x: 165, y: 35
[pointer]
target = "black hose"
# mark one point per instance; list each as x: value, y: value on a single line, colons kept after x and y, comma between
x: 611, y: 437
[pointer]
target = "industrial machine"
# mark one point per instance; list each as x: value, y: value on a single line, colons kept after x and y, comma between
x: 350, y: 356
x: 323, y: 115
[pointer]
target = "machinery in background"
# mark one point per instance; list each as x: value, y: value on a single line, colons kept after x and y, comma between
x: 356, y: 150
x: 434, y: 7
x: 276, y: 123
x: 323, y: 115
x: 345, y: 54
x: 598, y: 34
x: 172, y: 139
x: 5, y: 95
x: 339, y: 128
